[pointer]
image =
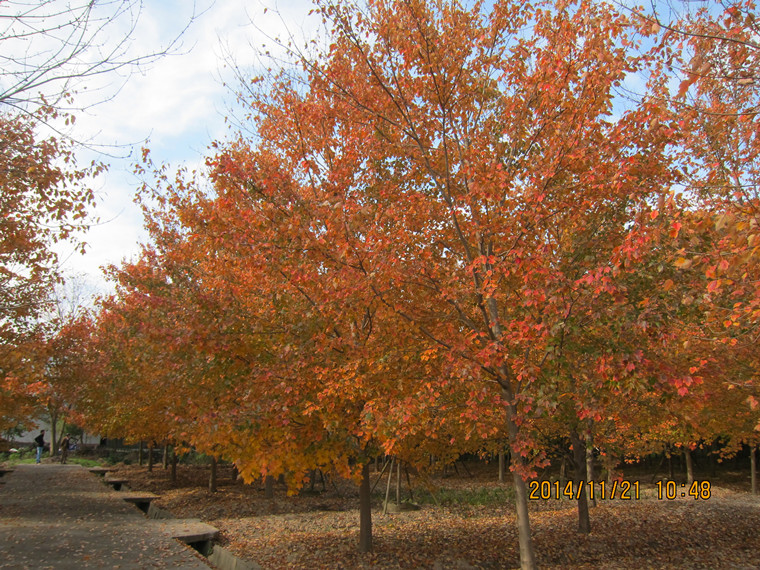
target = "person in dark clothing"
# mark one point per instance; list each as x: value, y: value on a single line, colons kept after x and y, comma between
x: 40, y: 441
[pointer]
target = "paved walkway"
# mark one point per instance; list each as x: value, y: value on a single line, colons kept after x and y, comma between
x: 62, y: 516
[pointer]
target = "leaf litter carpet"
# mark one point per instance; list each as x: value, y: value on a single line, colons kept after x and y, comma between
x: 320, y: 530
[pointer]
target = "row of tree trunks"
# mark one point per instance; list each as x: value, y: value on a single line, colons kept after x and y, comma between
x: 589, y: 475
x: 584, y: 474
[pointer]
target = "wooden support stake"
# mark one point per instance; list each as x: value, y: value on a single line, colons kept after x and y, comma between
x: 388, y: 487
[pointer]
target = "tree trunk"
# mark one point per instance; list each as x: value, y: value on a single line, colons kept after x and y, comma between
x: 671, y: 474
x: 269, y: 487
x: 398, y: 483
x: 609, y: 465
x: 579, y: 458
x: 53, y: 432
x: 173, y: 476
x: 165, y: 457
x: 753, y: 468
x: 140, y: 453
x: 590, y: 467
x: 527, y: 554
x: 212, y: 475
x: 502, y: 465
x: 365, y: 512
x: 689, y: 465
x: 713, y: 459
x: 563, y: 470
x: 150, y: 456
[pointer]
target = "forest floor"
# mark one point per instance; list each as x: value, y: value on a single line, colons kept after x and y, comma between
x: 472, y: 527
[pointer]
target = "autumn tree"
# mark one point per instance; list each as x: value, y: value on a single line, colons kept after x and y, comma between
x: 45, y: 199
x: 471, y: 175
x: 718, y: 57
x: 306, y: 368
x: 133, y: 390
x: 49, y: 50
x: 58, y: 385
x: 448, y: 208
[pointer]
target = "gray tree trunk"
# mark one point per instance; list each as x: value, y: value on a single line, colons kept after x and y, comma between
x: 53, y: 432
x: 527, y: 554
x: 173, y: 476
x: 398, y: 483
x: 579, y: 458
x: 689, y: 465
x: 590, y: 467
x: 753, y: 468
x: 212, y: 476
x: 365, y: 511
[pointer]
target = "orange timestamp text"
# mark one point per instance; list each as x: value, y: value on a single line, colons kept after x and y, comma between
x: 616, y: 490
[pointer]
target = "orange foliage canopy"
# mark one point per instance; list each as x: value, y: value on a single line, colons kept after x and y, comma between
x: 43, y: 199
x: 446, y: 230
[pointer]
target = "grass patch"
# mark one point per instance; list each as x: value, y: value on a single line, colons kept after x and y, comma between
x: 476, y: 496
x: 26, y: 458
x: 468, y: 496
x: 11, y: 459
x: 84, y: 462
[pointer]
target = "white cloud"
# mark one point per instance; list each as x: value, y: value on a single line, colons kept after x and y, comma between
x: 177, y: 103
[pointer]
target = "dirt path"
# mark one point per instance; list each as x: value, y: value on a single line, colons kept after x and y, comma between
x: 62, y: 516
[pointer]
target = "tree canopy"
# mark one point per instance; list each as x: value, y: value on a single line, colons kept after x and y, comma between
x: 455, y: 226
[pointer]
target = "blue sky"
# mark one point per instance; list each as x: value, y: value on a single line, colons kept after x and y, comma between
x: 177, y: 105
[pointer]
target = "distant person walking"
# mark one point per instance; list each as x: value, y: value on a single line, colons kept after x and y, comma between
x: 40, y: 441
x: 65, y: 448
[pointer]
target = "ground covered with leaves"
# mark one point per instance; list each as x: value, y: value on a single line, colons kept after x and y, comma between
x: 472, y: 526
